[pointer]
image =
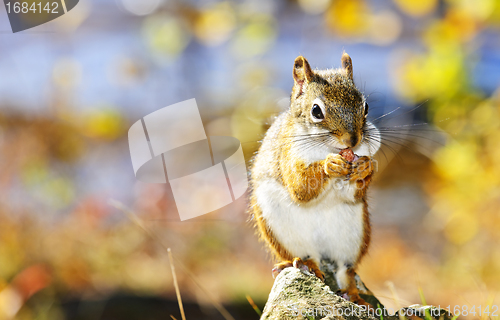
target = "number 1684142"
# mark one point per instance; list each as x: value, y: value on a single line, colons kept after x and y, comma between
x: 33, y: 7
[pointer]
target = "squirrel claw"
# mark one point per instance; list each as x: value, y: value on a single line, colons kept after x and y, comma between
x: 297, y: 263
x: 343, y: 295
x: 275, y: 272
x: 280, y: 267
x: 336, y: 165
x: 355, y: 298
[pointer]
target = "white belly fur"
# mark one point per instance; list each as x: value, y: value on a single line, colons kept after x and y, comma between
x: 330, y: 226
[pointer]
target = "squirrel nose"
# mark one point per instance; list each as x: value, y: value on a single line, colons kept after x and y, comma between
x: 350, y: 140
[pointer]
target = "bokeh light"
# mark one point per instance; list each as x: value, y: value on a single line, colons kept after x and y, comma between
x: 141, y: 8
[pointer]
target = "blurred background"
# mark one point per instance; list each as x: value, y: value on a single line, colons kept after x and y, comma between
x: 70, y: 89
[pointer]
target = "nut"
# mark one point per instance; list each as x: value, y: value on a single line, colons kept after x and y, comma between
x: 347, y: 154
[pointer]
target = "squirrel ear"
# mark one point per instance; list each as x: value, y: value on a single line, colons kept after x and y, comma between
x: 301, y: 70
x: 347, y: 65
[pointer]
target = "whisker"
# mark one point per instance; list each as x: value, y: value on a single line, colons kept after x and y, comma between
x: 401, y: 142
x: 383, y: 143
x: 384, y: 115
x: 393, y: 134
x: 409, y: 111
x: 304, y: 136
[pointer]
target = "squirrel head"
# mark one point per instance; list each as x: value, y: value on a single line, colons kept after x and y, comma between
x: 328, y: 101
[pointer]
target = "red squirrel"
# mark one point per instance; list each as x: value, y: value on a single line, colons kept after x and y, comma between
x: 308, y: 201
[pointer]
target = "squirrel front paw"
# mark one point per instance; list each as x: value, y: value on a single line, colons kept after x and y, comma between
x: 336, y: 165
x: 361, y: 169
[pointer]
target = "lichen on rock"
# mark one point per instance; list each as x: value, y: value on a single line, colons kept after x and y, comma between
x: 298, y: 294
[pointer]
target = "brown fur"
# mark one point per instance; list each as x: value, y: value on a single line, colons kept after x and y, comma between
x: 266, y: 234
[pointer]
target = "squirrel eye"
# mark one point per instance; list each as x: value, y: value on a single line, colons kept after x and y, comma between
x: 366, y: 109
x: 317, y: 113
